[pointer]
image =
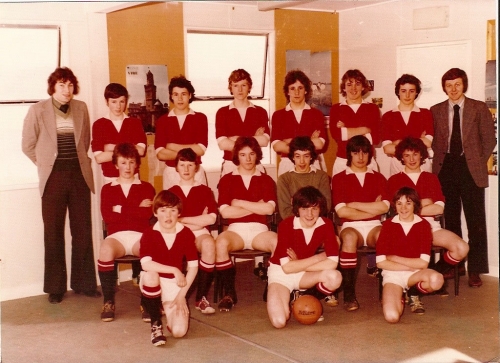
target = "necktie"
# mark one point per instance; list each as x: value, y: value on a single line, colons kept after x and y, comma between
x: 64, y: 108
x: 456, y: 138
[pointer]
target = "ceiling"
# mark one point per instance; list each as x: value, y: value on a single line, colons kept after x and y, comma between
x: 311, y: 5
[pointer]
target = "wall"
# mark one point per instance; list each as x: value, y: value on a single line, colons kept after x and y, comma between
x: 84, y: 50
x: 306, y: 30
x: 372, y: 48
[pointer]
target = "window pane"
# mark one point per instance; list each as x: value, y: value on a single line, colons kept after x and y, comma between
x: 29, y: 55
x: 212, y: 57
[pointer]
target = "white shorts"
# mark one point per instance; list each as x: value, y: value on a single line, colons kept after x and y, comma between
x: 169, y: 288
x: 340, y: 165
x: 171, y: 177
x: 399, y: 278
x: 275, y: 274
x: 248, y: 231
x: 436, y: 225
x: 127, y: 238
x: 363, y: 227
x: 200, y: 232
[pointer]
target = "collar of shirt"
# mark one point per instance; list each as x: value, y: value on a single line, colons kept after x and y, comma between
x: 289, y: 108
x: 58, y: 104
x: 460, y: 103
x: 231, y: 105
x: 344, y: 102
x: 297, y: 225
x: 178, y: 227
x: 348, y: 170
x: 311, y: 170
x: 171, y: 113
x: 414, y: 109
x: 416, y: 219
x: 136, y: 181
x: 108, y: 116
x: 256, y: 172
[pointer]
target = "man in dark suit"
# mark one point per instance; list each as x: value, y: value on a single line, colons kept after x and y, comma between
x: 56, y: 137
x: 464, y: 138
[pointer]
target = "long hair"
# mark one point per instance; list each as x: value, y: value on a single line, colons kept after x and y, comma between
x: 307, y: 197
x: 294, y: 76
x: 359, y: 143
x: 412, y: 144
x: 168, y: 199
x: 358, y: 76
x: 242, y: 142
x: 63, y: 74
x: 452, y: 74
x: 410, y: 194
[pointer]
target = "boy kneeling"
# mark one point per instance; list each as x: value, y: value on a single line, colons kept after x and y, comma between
x: 163, y: 249
x: 403, y: 253
x: 295, y: 263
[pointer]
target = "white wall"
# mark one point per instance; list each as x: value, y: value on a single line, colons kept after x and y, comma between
x: 84, y: 50
x: 369, y: 38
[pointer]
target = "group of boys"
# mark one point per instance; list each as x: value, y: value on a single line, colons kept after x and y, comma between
x: 306, y: 249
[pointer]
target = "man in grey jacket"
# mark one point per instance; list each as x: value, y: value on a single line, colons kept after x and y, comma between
x: 464, y: 138
x: 56, y: 137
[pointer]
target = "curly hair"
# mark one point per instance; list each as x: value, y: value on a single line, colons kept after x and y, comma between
x: 180, y: 82
x: 408, y: 79
x: 63, y: 74
x: 411, y: 144
x: 358, y: 76
x: 307, y: 197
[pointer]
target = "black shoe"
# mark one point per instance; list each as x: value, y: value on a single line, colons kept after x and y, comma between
x: 55, y: 298
x: 90, y: 293
x: 372, y: 271
x: 260, y: 271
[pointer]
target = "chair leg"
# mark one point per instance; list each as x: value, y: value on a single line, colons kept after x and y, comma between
x: 457, y: 278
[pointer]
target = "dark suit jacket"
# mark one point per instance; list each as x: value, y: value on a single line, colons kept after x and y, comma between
x: 40, y: 139
x: 478, y: 137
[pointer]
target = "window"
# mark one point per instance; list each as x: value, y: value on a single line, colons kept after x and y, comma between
x: 211, y: 57
x: 33, y: 53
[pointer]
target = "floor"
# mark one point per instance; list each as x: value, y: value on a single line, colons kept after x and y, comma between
x: 454, y: 329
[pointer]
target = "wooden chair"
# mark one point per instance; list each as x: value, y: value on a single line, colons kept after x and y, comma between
x: 245, y: 254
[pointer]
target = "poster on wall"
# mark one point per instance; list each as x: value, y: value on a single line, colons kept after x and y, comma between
x: 318, y: 67
x: 491, y: 101
x: 147, y: 86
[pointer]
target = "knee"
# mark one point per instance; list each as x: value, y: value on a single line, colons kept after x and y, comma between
x: 391, y: 316
x: 150, y: 278
x: 436, y: 281
x: 278, y: 322
x: 177, y: 331
x: 106, y: 251
x: 208, y: 248
x: 463, y: 249
x: 333, y: 279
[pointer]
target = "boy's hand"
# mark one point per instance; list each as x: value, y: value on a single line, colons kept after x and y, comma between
x: 180, y: 279
x: 291, y: 254
x: 109, y: 147
x: 179, y: 306
x: 146, y: 203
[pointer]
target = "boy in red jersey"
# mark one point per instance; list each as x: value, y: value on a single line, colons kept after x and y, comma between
x: 126, y: 210
x: 165, y: 248
x: 297, y: 119
x: 412, y: 154
x: 115, y: 128
x: 354, y: 116
x: 199, y: 211
x: 181, y: 128
x: 403, y: 253
x: 360, y: 198
x: 295, y: 263
x: 240, y: 118
x: 406, y: 120
x: 246, y: 198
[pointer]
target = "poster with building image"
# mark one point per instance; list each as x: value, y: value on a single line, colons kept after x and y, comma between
x: 147, y: 86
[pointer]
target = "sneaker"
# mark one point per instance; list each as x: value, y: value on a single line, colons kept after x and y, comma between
x: 442, y: 292
x: 226, y: 304
x: 108, y: 311
x: 321, y: 318
x: 417, y: 306
x: 331, y: 301
x: 260, y: 271
x: 372, y: 271
x: 351, y: 304
x: 204, y: 306
x: 145, y: 315
x: 157, y: 337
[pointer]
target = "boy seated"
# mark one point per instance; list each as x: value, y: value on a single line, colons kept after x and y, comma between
x: 246, y: 197
x: 403, y: 253
x: 165, y: 247
x: 126, y: 210
x: 199, y: 211
x: 359, y: 198
x: 303, y: 173
x: 295, y: 263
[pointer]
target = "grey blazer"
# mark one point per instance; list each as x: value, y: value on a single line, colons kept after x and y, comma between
x: 39, y: 141
x: 478, y: 137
